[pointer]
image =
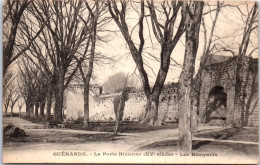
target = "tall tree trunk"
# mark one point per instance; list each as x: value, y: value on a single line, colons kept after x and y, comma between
x: 20, y: 111
x: 16, y: 14
x: 8, y: 50
x: 205, y: 56
x: 86, y: 106
x: 58, y: 106
x: 152, y: 103
x: 59, y: 92
x: 86, y: 92
x: 6, y: 61
x: 6, y: 111
x: 192, y: 23
x: 116, y: 123
x: 167, y: 40
x: 116, y: 103
x: 36, y: 115
x: 251, y: 95
x: 12, y: 110
x: 121, y: 110
x: 32, y: 110
x: 238, y: 86
x: 27, y: 109
x: 151, y: 111
x: 90, y: 69
x: 194, y: 116
x: 185, y: 140
x: 240, y: 64
x: 119, y: 106
x: 49, y: 102
x: 42, y: 106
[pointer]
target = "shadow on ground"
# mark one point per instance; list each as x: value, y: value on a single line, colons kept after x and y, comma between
x: 124, y: 127
x: 235, y: 134
x: 204, y: 146
x: 238, y: 134
x: 52, y: 136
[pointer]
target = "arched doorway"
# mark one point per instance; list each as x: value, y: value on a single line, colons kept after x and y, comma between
x: 216, y: 106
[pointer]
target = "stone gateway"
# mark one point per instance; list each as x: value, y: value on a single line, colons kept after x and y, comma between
x: 214, y: 101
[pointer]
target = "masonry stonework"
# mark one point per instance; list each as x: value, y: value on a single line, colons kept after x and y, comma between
x: 219, y: 75
x: 101, y: 106
x: 223, y: 75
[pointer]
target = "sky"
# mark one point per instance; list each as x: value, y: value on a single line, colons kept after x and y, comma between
x: 229, y: 28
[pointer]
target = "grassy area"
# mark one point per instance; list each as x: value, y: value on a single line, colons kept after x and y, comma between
x: 34, y: 120
x: 54, y: 136
x: 125, y: 127
x: 242, y: 134
x: 36, y: 136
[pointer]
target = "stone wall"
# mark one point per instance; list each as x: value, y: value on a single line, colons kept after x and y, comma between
x: 223, y: 74
x: 101, y: 107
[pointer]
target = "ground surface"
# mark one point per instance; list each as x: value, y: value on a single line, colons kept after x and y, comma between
x: 243, y: 142
x: 125, y: 127
x: 206, y: 146
x: 237, y: 134
x: 22, y: 123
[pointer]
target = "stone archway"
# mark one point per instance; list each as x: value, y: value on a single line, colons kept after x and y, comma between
x: 216, y: 107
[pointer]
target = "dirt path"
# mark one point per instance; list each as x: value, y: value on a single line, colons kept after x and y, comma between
x: 24, y: 124
x: 124, y: 142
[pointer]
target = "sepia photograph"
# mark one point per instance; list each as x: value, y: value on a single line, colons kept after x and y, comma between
x: 130, y: 81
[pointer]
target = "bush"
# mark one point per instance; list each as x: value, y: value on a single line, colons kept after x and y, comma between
x: 11, y: 130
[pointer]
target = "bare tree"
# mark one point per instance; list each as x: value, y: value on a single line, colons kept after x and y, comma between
x: 250, y: 25
x: 192, y: 12
x: 95, y: 11
x: 7, y: 82
x: 240, y: 50
x: 10, y: 95
x: 119, y: 105
x: 115, y: 82
x: 64, y: 38
x: 40, y: 59
x: 7, y: 100
x: 27, y: 85
x: 20, y: 103
x: 49, y: 103
x: 206, y: 55
x: 15, y: 97
x: 13, y: 11
x: 40, y: 94
x: 163, y: 32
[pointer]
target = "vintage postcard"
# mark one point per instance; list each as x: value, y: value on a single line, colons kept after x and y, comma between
x: 129, y: 81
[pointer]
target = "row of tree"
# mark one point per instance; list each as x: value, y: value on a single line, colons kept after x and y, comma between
x: 55, y: 42
x: 56, y: 38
